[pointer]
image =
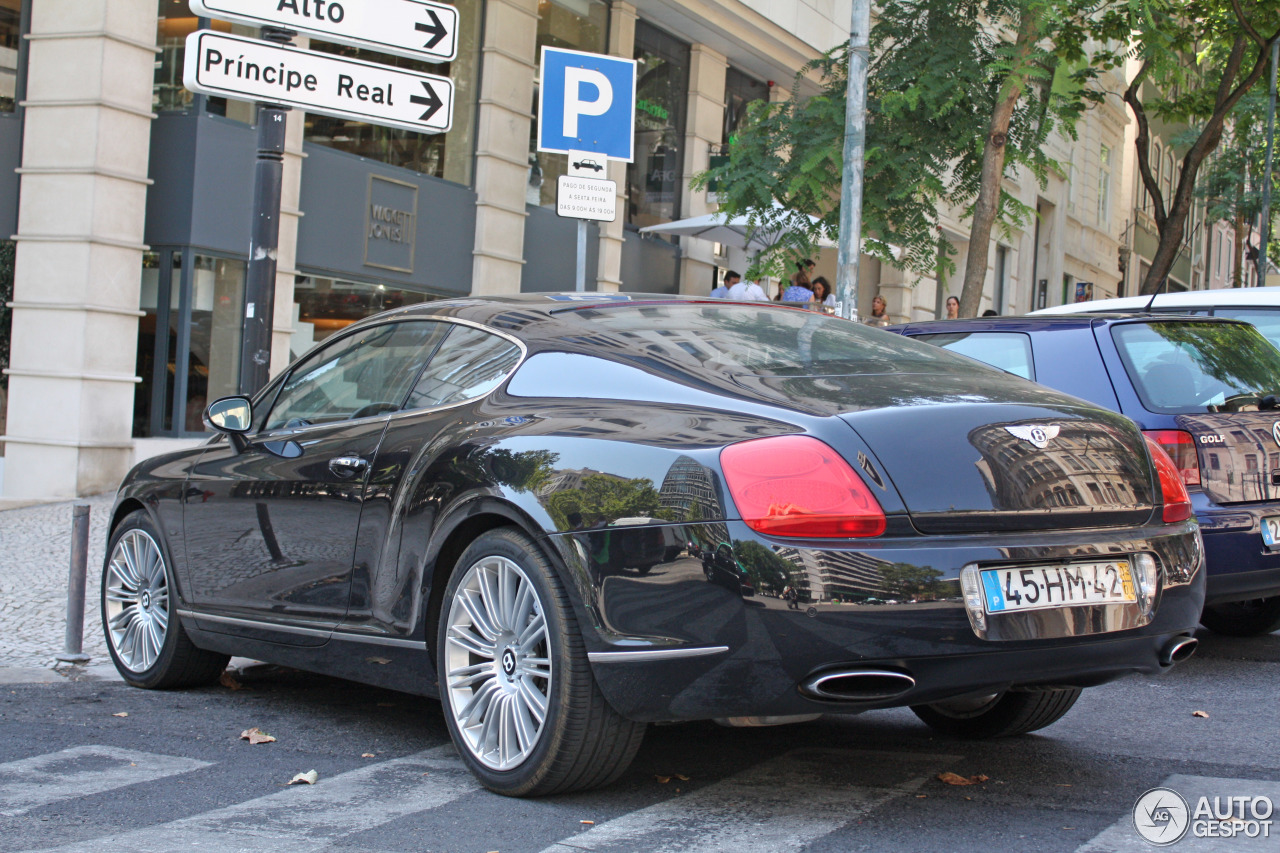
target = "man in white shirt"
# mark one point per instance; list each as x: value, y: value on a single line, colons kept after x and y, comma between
x: 722, y: 292
x: 747, y: 291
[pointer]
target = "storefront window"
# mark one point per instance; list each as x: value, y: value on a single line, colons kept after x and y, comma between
x: 740, y: 91
x: 217, y: 304
x: 174, y: 24
x: 573, y: 25
x: 655, y: 178
x: 10, y: 41
x: 327, y: 305
x: 188, y: 340
x: 445, y: 155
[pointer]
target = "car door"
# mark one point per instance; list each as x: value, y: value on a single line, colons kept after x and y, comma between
x: 271, y: 526
x: 423, y: 463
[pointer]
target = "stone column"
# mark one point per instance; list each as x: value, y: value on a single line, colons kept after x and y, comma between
x: 79, y: 255
x: 704, y: 126
x: 508, y: 62
x: 622, y: 41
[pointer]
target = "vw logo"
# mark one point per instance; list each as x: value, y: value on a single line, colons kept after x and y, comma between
x: 508, y: 661
x: 1275, y: 431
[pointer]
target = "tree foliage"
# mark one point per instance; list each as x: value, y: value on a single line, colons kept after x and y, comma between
x: 938, y: 70
x: 1197, y: 61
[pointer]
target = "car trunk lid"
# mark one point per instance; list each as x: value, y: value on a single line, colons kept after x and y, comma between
x: 1239, y: 454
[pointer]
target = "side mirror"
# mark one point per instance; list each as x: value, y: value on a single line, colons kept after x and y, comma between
x: 230, y: 415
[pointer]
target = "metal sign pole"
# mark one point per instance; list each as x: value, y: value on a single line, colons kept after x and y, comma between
x: 855, y: 141
x: 580, y: 271
x: 264, y: 240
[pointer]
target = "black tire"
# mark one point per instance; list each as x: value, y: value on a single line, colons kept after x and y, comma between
x: 178, y: 663
x: 1243, y: 618
x: 583, y: 742
x: 1003, y: 715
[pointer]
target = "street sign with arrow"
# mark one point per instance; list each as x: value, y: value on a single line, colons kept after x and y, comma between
x: 418, y: 29
x: 249, y: 69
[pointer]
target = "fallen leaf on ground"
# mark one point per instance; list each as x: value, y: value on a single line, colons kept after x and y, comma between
x: 1201, y: 714
x: 366, y: 755
x: 682, y: 777
x: 922, y: 796
x: 228, y: 681
x: 382, y: 661
x: 308, y: 778
x: 121, y: 714
x: 956, y: 779
x: 662, y: 779
x: 587, y: 822
x: 256, y: 735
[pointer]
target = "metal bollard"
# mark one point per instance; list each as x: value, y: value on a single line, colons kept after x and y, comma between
x: 74, y: 644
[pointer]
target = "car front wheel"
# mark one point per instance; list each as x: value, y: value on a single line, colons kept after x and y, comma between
x: 147, y: 643
x: 1243, y: 618
x: 519, y: 697
x: 999, y: 715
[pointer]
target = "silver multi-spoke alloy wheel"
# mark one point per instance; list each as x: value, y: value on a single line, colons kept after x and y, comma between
x: 498, y: 663
x: 136, y: 600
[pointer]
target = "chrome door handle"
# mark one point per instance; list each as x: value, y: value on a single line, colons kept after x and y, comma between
x: 347, y: 466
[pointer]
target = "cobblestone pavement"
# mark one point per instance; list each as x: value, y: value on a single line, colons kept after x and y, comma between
x: 35, y: 552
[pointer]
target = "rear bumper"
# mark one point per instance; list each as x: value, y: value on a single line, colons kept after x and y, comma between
x: 672, y: 644
x: 1238, y: 564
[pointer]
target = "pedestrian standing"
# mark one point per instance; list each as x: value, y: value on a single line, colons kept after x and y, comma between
x: 747, y: 291
x: 953, y: 308
x: 822, y: 295
x: 730, y: 279
x: 878, y: 316
x: 799, y: 291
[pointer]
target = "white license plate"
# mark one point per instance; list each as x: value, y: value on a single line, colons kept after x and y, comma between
x: 1042, y: 587
x: 1271, y: 532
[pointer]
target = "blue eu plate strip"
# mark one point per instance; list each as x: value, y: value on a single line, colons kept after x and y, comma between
x: 991, y: 585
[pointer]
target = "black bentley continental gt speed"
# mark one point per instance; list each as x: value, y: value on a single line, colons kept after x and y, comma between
x: 568, y: 516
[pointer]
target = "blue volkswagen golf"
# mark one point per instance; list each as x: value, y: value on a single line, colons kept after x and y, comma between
x: 1205, y: 389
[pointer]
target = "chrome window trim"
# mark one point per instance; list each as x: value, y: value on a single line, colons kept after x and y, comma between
x: 401, y: 413
x: 642, y: 655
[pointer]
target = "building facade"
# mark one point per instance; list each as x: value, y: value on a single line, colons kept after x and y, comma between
x: 129, y: 200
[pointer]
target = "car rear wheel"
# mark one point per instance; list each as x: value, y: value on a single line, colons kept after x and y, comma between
x: 519, y: 697
x: 147, y: 642
x: 1243, y: 618
x: 1000, y: 714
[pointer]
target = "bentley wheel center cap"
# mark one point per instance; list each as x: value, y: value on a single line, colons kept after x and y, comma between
x: 508, y: 661
x: 145, y: 601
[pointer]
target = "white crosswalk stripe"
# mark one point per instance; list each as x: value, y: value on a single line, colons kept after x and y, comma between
x: 80, y: 771
x: 306, y: 819
x: 780, y: 805
x: 1122, y: 837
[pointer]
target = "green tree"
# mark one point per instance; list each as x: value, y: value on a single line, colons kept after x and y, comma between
x: 906, y: 580
x: 961, y: 92
x: 1231, y: 183
x: 603, y: 497
x: 1197, y: 61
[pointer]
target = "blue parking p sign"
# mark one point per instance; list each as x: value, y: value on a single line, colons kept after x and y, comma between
x: 586, y: 102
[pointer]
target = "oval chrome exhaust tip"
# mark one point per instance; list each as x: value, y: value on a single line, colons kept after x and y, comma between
x: 857, y: 685
x: 1178, y: 650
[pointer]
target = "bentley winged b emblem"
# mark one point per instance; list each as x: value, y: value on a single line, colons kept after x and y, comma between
x: 1038, y: 435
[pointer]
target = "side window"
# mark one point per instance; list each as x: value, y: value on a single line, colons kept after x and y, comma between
x: 361, y: 375
x: 1009, y: 351
x: 469, y: 363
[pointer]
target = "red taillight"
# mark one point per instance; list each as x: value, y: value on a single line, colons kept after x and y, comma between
x: 1181, y: 449
x: 1177, y: 503
x: 794, y: 485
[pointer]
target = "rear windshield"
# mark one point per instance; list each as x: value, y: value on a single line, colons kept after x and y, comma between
x: 760, y: 341
x: 1009, y: 351
x: 1189, y: 367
